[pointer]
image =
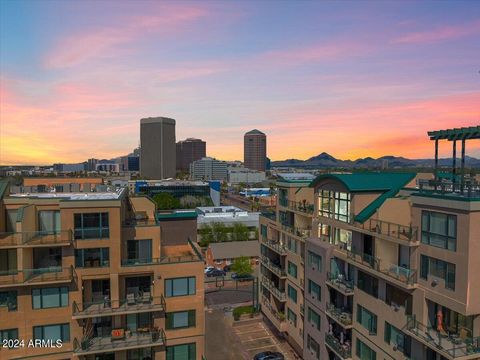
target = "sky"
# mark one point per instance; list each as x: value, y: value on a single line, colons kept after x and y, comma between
x: 351, y: 78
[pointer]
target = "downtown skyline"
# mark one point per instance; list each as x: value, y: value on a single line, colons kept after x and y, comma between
x: 349, y: 79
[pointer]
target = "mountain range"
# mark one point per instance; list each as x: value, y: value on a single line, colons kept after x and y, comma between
x: 325, y: 160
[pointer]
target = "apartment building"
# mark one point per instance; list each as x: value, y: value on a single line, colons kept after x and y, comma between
x: 100, y: 272
x: 282, y: 239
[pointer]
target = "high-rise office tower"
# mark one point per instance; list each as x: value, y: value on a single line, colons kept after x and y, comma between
x: 255, y: 150
x: 188, y: 151
x: 157, y: 152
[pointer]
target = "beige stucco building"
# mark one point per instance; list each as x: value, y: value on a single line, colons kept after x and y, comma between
x: 104, y: 273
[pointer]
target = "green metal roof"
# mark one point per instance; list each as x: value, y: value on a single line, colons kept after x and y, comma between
x: 368, y: 181
x: 472, y: 132
x: 182, y: 214
x: 388, y: 183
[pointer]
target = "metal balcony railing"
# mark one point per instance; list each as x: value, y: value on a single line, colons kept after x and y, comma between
x: 397, y: 231
x: 300, y: 232
x: 275, y: 268
x: 33, y: 238
x: 300, y: 206
x: 37, y: 276
x: 343, y: 350
x: 339, y: 282
x: 274, y: 245
x: 270, y: 285
x: 340, y: 315
x: 109, y: 307
x: 453, y: 345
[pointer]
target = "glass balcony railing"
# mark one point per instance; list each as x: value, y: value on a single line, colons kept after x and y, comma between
x: 342, y: 316
x: 344, y: 350
x: 269, y: 215
x: 364, y: 259
x: 299, y: 206
x: 452, y: 345
x: 52, y: 274
x: 121, y: 339
x: 107, y: 307
x: 32, y: 238
x: 300, y: 232
x: 273, y: 267
x: 274, y: 245
x: 405, y: 275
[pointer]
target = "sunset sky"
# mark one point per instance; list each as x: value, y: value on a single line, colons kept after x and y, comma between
x: 352, y: 79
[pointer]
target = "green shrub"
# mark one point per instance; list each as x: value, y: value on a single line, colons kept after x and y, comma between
x: 237, y: 312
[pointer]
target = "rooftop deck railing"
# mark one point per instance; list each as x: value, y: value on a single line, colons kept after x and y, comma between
x: 38, y: 275
x: 393, y: 230
x: 269, y: 215
x: 343, y: 350
x: 455, y: 345
x: 470, y: 189
x: 300, y: 206
x: 32, y: 238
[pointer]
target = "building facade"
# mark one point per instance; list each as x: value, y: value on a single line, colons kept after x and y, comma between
x: 188, y: 151
x: 98, y: 273
x: 238, y: 175
x: 255, y: 150
x: 157, y: 148
x: 208, y: 168
x: 282, y: 239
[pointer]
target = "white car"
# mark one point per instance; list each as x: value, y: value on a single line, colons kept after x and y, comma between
x: 208, y: 269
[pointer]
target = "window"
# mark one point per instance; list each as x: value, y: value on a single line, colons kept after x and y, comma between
x: 8, y: 299
x: 368, y: 284
x: 49, y: 222
x: 180, y: 319
x: 89, y: 258
x: 292, y: 317
x: 314, y: 261
x: 292, y: 245
x: 52, y: 332
x: 136, y: 354
x: 180, y: 287
x: 314, y: 290
x: 139, y: 250
x: 11, y: 221
x: 439, y: 230
x: 292, y: 294
x: 46, y: 298
x: 9, y: 334
x: 313, y: 346
x: 313, y: 318
x: 263, y: 230
x: 181, y: 352
x: 334, y: 205
x: 397, y: 338
x: 292, y: 269
x: 441, y: 269
x: 367, y: 319
x: 91, y: 226
x: 364, y: 352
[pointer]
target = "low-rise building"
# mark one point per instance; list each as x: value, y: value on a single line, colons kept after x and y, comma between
x: 237, y: 175
x: 222, y: 254
x: 208, y: 168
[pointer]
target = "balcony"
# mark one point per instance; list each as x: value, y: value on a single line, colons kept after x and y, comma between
x: 273, y: 267
x: 277, y: 318
x: 270, y: 285
x: 36, y: 238
x: 271, y: 215
x: 299, y: 206
x: 449, y: 189
x: 341, y: 316
x: 108, y: 307
x: 339, y: 283
x: 403, y: 234
x: 397, y: 274
x: 274, y: 245
x: 40, y: 276
x: 123, y: 340
x: 452, y: 346
x: 300, y: 232
x: 344, y: 350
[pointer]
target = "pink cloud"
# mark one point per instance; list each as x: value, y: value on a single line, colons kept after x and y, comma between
x: 440, y: 34
x: 104, y: 42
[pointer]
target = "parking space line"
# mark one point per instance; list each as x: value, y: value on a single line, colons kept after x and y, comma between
x: 266, y: 337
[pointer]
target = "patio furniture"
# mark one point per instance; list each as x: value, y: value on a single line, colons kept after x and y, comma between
x: 146, y: 298
x: 131, y: 299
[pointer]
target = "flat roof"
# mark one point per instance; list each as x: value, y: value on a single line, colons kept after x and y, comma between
x: 176, y: 214
x: 74, y: 196
x: 235, y: 249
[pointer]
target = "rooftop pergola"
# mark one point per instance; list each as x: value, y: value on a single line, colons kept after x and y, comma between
x: 454, y: 135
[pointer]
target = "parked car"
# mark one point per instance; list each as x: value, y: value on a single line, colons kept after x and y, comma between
x: 227, y: 268
x: 216, y: 272
x: 269, y: 355
x: 208, y: 269
x: 244, y: 277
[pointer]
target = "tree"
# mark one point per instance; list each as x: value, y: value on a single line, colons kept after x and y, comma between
x: 239, y: 232
x: 166, y: 201
x: 242, y: 266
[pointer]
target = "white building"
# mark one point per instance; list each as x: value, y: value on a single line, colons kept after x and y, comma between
x: 237, y: 175
x: 208, y: 168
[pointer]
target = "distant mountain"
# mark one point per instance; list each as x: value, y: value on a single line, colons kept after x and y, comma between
x: 325, y: 160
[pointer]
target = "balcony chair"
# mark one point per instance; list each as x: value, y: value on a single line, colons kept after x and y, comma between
x: 146, y: 298
x: 131, y: 299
